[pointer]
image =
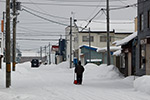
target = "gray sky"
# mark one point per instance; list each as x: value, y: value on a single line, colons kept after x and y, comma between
x: 32, y: 27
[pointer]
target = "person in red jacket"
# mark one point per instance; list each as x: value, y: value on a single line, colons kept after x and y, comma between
x: 79, y: 71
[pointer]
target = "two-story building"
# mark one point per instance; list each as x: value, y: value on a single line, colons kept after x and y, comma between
x: 143, y: 47
x: 98, y: 38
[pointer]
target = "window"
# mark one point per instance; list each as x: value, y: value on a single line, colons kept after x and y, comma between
x: 141, y: 22
x: 86, y: 38
x: 148, y: 19
x: 104, y: 38
x: 143, y: 56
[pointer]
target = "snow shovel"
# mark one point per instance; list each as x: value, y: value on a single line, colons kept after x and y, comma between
x: 75, y: 81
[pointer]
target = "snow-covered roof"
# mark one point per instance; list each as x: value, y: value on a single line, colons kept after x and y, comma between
x: 29, y: 54
x: 87, y: 46
x: 125, y: 40
x: 112, y: 48
x: 94, y: 60
x: 117, y: 25
x: 117, y: 53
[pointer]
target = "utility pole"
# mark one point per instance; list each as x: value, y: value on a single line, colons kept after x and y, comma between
x: 70, y: 42
x: 3, y: 32
x: 89, y: 46
x: 45, y: 53
x: 8, y: 64
x: 41, y: 53
x: 2, y: 40
x: 108, y: 40
x: 14, y: 35
x: 49, y: 54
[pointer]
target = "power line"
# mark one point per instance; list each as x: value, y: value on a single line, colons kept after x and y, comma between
x: 81, y: 0
x: 114, y: 22
x: 27, y: 39
x: 124, y: 7
x: 63, y: 4
x: 39, y: 31
x: 60, y: 4
x: 54, y: 16
x: 92, y: 19
x: 75, y: 1
x: 133, y: 5
x: 30, y: 34
x: 45, y: 18
x: 95, y: 9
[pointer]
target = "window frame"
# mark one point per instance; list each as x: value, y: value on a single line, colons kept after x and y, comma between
x: 86, y: 38
x: 142, y: 57
x: 105, y: 38
x: 141, y: 22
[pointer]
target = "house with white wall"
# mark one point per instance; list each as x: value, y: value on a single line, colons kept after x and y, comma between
x: 98, y: 37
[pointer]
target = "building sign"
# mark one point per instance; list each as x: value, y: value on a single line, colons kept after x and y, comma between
x: 55, y: 47
x: 143, y: 41
x: 2, y: 26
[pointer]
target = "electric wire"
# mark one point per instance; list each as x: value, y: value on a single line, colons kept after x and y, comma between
x: 80, y: 0
x: 27, y: 29
x: 92, y: 19
x: 33, y: 39
x: 45, y: 18
x: 45, y: 13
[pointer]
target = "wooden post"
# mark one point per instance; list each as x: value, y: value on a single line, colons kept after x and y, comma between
x: 8, y: 64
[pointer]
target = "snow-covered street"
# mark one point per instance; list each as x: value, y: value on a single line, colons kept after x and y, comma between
x: 55, y: 82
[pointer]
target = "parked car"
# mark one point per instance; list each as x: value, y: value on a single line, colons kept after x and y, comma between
x: 35, y: 63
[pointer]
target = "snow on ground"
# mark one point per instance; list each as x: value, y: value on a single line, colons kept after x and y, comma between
x: 55, y: 82
x: 143, y: 84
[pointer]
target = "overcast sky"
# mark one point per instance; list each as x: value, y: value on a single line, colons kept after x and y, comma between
x: 31, y: 27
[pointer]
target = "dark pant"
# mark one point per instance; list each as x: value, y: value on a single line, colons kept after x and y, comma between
x: 79, y: 79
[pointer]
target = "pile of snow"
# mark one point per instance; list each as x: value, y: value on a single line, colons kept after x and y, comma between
x: 130, y: 78
x: 64, y: 64
x: 142, y: 84
x: 103, y: 71
x: 90, y: 67
x: 91, y: 71
x: 109, y: 72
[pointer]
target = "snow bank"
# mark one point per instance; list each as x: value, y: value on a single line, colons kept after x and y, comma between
x: 64, y: 64
x: 130, y: 78
x: 142, y: 84
x: 103, y: 71
x: 109, y: 72
x: 90, y: 66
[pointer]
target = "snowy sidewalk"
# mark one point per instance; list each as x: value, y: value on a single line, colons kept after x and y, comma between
x: 55, y: 82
